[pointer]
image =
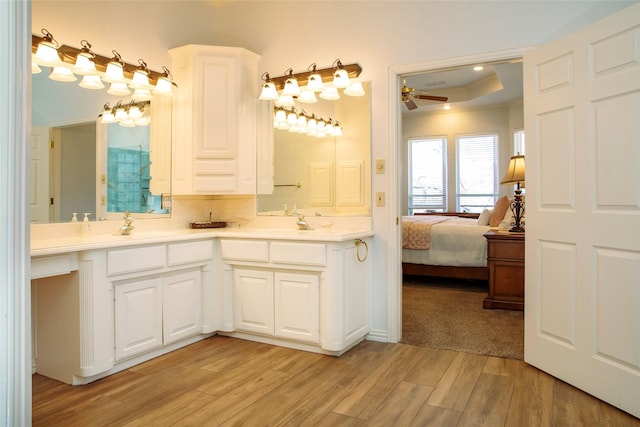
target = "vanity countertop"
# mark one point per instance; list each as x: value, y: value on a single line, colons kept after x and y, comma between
x: 58, y: 245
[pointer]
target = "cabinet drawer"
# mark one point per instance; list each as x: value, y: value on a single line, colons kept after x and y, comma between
x: 513, y: 250
x: 136, y: 259
x: 53, y: 265
x: 245, y: 250
x: 298, y: 253
x: 189, y: 252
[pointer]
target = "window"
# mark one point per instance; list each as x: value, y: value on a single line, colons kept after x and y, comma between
x: 477, y: 169
x: 427, y: 175
x: 518, y: 142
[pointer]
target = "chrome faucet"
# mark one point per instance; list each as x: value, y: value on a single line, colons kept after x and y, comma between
x: 126, y: 228
x: 302, y: 223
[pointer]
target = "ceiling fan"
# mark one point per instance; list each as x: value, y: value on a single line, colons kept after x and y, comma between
x: 408, y: 96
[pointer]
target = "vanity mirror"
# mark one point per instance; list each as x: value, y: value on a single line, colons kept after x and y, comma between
x: 77, y: 173
x: 327, y: 176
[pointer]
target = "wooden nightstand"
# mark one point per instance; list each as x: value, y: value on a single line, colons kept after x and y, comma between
x: 505, y: 259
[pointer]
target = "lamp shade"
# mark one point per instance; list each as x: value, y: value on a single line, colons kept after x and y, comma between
x: 515, y: 171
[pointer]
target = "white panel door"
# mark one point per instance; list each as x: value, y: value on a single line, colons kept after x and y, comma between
x: 297, y: 306
x: 39, y: 171
x: 138, y: 317
x: 582, y: 289
x: 181, y: 302
x: 253, y: 296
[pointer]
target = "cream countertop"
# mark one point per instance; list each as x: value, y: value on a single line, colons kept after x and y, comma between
x: 74, y: 243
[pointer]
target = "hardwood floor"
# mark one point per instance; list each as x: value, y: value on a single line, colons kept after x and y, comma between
x: 228, y: 381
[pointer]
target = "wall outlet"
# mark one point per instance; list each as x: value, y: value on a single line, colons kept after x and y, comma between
x: 380, y: 166
x: 380, y: 199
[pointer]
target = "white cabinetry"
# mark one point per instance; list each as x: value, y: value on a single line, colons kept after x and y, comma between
x: 214, y: 120
x: 138, y: 317
x: 307, y: 295
x: 284, y: 305
x: 123, y: 306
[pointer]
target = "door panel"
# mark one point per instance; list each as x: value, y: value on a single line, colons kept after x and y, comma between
x: 582, y: 290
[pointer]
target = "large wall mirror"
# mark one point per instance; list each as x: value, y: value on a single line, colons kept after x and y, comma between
x: 82, y: 165
x: 327, y: 176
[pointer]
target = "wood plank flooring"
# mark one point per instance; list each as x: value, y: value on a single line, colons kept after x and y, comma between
x: 227, y: 381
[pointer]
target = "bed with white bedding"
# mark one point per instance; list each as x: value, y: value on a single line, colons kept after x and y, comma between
x: 444, y: 246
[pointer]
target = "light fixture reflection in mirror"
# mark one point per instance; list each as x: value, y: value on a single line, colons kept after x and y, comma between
x: 328, y: 176
x: 56, y: 109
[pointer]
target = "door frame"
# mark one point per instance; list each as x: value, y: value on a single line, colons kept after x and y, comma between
x: 394, y: 268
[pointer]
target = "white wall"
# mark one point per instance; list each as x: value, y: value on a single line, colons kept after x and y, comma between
x: 377, y: 35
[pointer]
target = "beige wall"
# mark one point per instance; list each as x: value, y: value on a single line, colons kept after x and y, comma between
x: 503, y: 120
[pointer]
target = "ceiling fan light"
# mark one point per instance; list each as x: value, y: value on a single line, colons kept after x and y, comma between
x: 91, y: 82
x: 119, y: 89
x: 341, y: 78
x: 354, y: 89
x: 62, y: 74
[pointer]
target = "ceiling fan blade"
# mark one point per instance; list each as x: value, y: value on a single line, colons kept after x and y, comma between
x: 410, y: 104
x: 432, y: 97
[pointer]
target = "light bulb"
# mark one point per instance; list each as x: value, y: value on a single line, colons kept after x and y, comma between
x: 91, y: 82
x: 140, y: 80
x: 47, y: 51
x: 291, y: 87
x: 108, y: 117
x: 315, y: 82
x: 330, y: 93
x: 118, y: 89
x: 269, y: 92
x: 114, y: 73
x: 62, y: 74
x: 354, y: 89
x: 163, y: 86
x: 341, y: 78
x: 307, y: 96
x: 84, y: 66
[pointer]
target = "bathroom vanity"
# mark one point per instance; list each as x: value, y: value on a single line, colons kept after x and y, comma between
x: 104, y: 303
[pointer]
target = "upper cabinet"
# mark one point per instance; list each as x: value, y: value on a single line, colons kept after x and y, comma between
x: 214, y: 120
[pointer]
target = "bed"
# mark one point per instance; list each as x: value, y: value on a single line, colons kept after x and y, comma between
x: 451, y: 244
x: 444, y: 245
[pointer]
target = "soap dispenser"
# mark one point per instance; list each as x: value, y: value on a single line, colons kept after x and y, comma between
x: 75, y: 217
x: 86, y: 227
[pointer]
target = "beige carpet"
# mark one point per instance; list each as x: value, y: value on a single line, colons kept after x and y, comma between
x: 448, y: 314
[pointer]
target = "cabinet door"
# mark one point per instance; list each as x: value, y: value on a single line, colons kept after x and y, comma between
x: 181, y: 304
x: 253, y: 296
x: 297, y: 306
x: 138, y: 317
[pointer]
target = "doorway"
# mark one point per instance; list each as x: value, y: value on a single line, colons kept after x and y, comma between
x: 398, y: 158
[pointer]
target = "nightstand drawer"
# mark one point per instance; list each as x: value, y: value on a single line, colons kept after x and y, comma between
x: 506, y: 250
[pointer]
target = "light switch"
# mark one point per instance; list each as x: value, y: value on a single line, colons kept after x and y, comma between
x: 380, y: 199
x: 379, y: 165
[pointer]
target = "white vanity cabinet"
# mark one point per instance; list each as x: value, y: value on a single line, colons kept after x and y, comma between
x: 307, y: 295
x: 123, y: 306
x: 284, y: 305
x: 214, y: 120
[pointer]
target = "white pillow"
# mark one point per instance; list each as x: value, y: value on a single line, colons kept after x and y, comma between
x: 483, y: 219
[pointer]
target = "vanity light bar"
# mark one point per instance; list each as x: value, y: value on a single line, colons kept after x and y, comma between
x: 69, y: 54
x: 327, y: 74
